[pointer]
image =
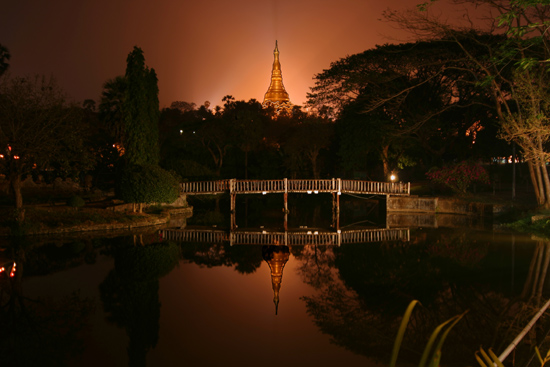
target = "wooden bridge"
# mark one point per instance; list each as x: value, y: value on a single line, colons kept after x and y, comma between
x: 292, y: 238
x: 334, y: 185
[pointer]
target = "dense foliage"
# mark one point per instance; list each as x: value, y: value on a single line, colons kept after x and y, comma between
x: 459, y: 177
x: 148, y: 184
x: 512, y: 72
x: 406, y: 105
x: 39, y: 130
x: 141, y: 111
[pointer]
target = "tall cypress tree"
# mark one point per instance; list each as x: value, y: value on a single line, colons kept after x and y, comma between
x: 141, y: 110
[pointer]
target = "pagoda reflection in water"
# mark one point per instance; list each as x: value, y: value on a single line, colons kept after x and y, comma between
x: 276, y: 244
x: 276, y: 257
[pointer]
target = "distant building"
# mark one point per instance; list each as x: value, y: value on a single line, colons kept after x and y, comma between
x: 276, y: 95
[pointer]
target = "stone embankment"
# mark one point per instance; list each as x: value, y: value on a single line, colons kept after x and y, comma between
x: 146, y: 220
x: 441, y: 206
x: 434, y: 212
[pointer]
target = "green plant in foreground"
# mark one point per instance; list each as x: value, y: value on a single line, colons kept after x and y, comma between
x: 490, y: 358
x: 541, y: 360
x: 432, y: 353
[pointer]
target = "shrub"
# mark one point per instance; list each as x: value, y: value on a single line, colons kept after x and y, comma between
x: 148, y: 184
x: 459, y: 177
x: 75, y: 201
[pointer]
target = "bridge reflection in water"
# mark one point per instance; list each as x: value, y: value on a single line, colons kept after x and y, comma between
x: 287, y: 238
x: 275, y: 245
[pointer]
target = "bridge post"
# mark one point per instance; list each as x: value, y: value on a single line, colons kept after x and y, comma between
x: 387, y: 206
x: 336, y: 203
x: 233, y: 198
x: 286, y: 197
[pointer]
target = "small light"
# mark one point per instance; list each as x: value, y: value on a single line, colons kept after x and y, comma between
x: 181, y: 132
x: 315, y: 192
x: 392, y: 177
x: 308, y: 232
x: 315, y: 232
x: 264, y: 192
x: 309, y: 192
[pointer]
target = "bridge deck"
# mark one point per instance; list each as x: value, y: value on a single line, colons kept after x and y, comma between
x: 287, y: 238
x: 334, y: 185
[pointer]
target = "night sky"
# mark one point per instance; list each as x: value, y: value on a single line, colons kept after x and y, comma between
x: 201, y: 50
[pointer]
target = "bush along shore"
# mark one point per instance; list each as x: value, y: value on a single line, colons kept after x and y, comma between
x: 80, y: 214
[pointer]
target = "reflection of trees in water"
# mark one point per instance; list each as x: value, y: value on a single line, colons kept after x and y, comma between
x: 51, y: 256
x: 317, y: 264
x: 246, y: 259
x: 39, y: 331
x: 362, y: 308
x: 130, y: 293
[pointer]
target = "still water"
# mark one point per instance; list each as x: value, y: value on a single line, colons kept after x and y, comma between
x: 135, y: 299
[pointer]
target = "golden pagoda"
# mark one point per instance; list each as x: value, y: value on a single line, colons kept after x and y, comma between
x: 276, y: 95
x: 276, y: 257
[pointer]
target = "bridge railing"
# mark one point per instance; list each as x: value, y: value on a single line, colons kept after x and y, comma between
x: 248, y: 186
x: 287, y: 238
x: 313, y: 185
x: 359, y: 236
x: 356, y: 186
x: 205, y: 186
x: 209, y: 236
x: 296, y: 185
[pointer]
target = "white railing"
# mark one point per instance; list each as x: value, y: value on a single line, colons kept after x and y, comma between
x: 356, y: 186
x: 312, y: 186
x: 334, y: 185
x: 258, y: 186
x: 287, y: 238
x: 204, y: 187
x: 189, y: 235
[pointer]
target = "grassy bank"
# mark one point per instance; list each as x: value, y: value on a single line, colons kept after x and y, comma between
x: 42, y: 219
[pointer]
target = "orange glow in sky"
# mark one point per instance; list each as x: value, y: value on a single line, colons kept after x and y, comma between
x: 201, y: 50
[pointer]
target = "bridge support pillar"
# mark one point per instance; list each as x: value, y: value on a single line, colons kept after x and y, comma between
x: 286, y: 221
x: 336, y: 210
x: 285, y: 181
x: 233, y: 199
x: 387, y: 206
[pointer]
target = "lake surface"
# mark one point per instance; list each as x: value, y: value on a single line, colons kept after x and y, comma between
x: 138, y: 300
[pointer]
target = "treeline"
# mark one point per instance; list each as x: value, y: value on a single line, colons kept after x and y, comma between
x: 243, y: 140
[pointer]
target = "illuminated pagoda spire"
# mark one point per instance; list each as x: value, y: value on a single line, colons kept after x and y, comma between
x: 276, y: 95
